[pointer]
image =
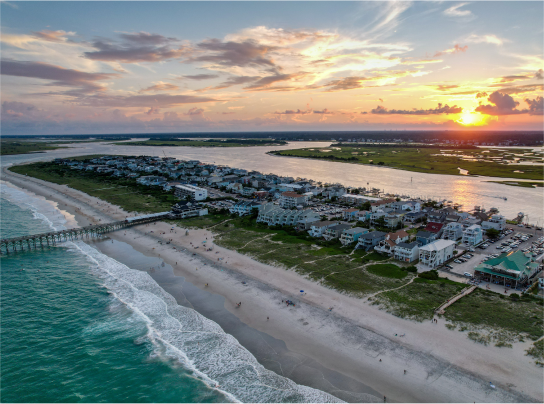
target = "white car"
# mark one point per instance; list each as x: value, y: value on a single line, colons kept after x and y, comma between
x: 468, y: 275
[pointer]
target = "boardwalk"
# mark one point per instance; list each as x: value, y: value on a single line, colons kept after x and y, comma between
x: 464, y: 292
x: 52, y: 238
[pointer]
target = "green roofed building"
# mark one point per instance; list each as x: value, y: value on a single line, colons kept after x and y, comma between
x: 510, y: 270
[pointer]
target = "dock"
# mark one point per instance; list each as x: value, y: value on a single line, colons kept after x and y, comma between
x: 34, y: 241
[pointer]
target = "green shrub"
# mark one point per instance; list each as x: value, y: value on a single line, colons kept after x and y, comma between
x: 431, y: 275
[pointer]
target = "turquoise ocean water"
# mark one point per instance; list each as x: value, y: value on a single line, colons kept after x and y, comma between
x: 78, y: 326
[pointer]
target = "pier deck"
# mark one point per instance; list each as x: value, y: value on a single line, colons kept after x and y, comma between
x: 42, y: 240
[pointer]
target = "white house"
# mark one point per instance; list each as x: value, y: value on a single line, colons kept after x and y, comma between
x: 473, y: 235
x: 195, y: 193
x: 406, y: 252
x: 436, y: 253
x: 319, y: 228
x: 452, y: 231
x: 292, y: 199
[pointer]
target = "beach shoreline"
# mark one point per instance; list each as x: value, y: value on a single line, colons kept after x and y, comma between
x: 442, y: 364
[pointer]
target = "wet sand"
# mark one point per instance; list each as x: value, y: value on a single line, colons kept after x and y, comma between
x: 442, y: 365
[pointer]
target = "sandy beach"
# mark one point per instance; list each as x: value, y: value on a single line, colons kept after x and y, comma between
x: 348, y: 342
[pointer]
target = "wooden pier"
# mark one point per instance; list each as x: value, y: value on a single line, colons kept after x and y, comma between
x: 35, y: 241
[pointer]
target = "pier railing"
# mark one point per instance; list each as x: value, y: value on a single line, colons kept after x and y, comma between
x: 16, y: 244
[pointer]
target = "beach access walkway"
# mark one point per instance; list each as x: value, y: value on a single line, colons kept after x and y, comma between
x: 464, y: 292
x: 42, y: 240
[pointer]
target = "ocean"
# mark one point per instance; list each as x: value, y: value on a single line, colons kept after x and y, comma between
x: 79, y: 326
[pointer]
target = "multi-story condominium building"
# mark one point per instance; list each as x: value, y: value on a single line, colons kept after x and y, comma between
x: 184, y: 209
x: 497, y: 222
x: 350, y: 214
x: 186, y: 190
x: 292, y: 199
x: 273, y: 215
x: 473, y: 235
x: 352, y: 235
x: 244, y: 208
x: 452, y: 231
x: 436, y: 253
x: 406, y: 252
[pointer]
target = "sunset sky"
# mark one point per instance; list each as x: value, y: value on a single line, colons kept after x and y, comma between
x: 98, y: 67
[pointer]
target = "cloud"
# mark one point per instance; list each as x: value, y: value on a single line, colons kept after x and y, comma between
x: 53, y: 36
x: 199, y: 77
x: 59, y: 76
x: 521, y: 89
x: 160, y: 87
x: 142, y: 101
x: 481, y: 95
x: 539, y: 74
x: 492, y: 39
x: 153, y: 111
x: 503, y: 105
x: 536, y: 106
x: 10, y: 4
x: 196, y: 114
x: 509, y: 79
x: 455, y: 12
x: 436, y: 111
x: 444, y: 87
x: 233, y: 81
x: 266, y: 82
x: 137, y: 47
x: 354, y: 82
x: 247, y: 53
x: 456, y: 49
x: 293, y: 112
x: 16, y: 110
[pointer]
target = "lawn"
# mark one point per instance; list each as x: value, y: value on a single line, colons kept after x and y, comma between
x: 387, y: 270
x: 432, y: 159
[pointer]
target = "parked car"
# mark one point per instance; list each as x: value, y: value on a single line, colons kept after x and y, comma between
x: 468, y: 275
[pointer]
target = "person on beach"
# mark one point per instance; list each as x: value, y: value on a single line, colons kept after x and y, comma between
x: 268, y: 318
x: 404, y: 371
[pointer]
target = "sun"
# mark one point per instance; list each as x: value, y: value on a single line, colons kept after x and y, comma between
x: 471, y: 119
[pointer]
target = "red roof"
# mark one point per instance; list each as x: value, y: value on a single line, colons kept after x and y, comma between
x: 434, y: 227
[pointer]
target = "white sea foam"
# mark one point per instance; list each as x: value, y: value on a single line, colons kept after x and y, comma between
x: 198, y: 343
x: 177, y: 332
x: 41, y: 209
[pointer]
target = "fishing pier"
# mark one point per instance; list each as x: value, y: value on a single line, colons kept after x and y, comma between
x: 18, y: 244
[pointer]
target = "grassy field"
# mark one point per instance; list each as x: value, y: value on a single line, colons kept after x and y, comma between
x: 524, y: 184
x: 206, y: 143
x: 485, y: 308
x: 8, y: 147
x: 418, y: 300
x: 123, y: 192
x: 431, y: 159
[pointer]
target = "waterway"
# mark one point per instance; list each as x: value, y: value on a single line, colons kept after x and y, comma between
x: 468, y: 191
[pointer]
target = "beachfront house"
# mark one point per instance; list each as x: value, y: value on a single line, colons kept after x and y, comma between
x: 244, y: 208
x: 435, y: 228
x: 151, y: 180
x: 335, y: 231
x: 413, y: 206
x: 473, y: 235
x: 184, y: 209
x: 350, y: 236
x: 290, y: 199
x: 370, y: 240
x: 436, y: 253
x: 509, y: 270
x: 318, y: 229
x: 406, y: 252
x: 452, y: 231
x: 273, y: 215
x: 413, y: 217
x: 248, y: 191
